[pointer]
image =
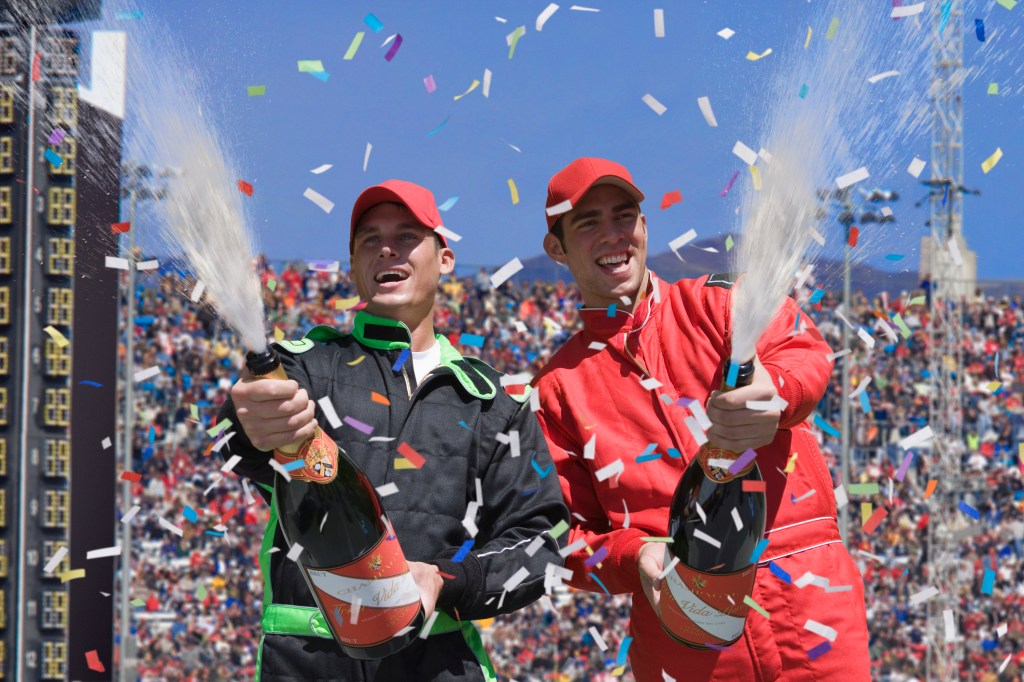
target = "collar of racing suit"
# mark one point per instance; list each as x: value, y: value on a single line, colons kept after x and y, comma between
x: 607, y: 322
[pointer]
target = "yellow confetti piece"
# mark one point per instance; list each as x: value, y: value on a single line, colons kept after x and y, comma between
x: 617, y: 672
x: 513, y: 191
x: 1008, y: 4
x: 755, y: 175
x: 832, y: 28
x: 990, y: 163
x: 55, y: 334
x: 356, y: 361
x: 791, y: 464
x: 472, y: 87
x: 403, y: 463
x: 73, y: 574
x: 356, y: 42
x: 917, y: 300
x: 993, y: 386
x: 993, y: 88
x: 650, y: 538
x: 808, y: 41
x: 754, y: 605
x: 753, y: 56
x: 866, y: 508
x: 278, y: 334
x: 346, y: 303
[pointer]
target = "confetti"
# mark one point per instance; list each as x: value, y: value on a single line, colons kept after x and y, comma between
x: 310, y: 66
x: 597, y: 638
x: 819, y: 650
x: 968, y: 509
x: 366, y: 161
x: 429, y: 84
x: 394, y: 48
x: 354, y: 46
x: 755, y: 176
x: 245, y: 188
x: 807, y: 41
x: 415, y: 458
x: 514, y: 191
x: 375, y: 24
x: 442, y: 124
x: 670, y: 198
x: 728, y: 185
x: 754, y: 605
x: 990, y: 163
x: 92, y: 657
x: 56, y: 136
x: 726, y: 33
x: 753, y: 56
x: 832, y: 28
x: 844, y: 181
x: 55, y: 560
x: 147, y: 373
x: 656, y: 106
x: 103, y: 553
x: 745, y: 153
x: 916, y: 166
x: 543, y: 17
x: 979, y: 29
x: 475, y: 340
x: 325, y: 204
x: 505, y: 272
x: 993, y: 89
x: 681, y: 241
x: 57, y: 337
x: 616, y: 468
x: 705, y: 108
x: 471, y: 88
x: 487, y: 92
x: 120, y: 228
x: 919, y: 437
x: 779, y: 573
x: 908, y: 10
x: 659, y: 23
x: 513, y: 39
x: 256, y: 90
x: 875, y: 519
x: 1008, y: 4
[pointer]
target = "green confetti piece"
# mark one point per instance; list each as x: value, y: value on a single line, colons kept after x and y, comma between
x: 754, y: 605
x: 311, y: 66
x: 729, y: 243
x: 1008, y: 4
x: 832, y: 28
x: 272, y: 284
x: 201, y: 592
x: 559, y: 528
x: 993, y: 88
x: 194, y: 411
x: 656, y: 539
x: 353, y: 46
x: 904, y: 329
x: 918, y: 300
x: 863, y: 489
x: 137, y: 602
x: 513, y: 39
x: 216, y: 430
x: 257, y: 90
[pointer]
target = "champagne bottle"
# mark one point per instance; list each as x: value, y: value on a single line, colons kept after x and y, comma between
x: 350, y: 558
x: 715, y: 526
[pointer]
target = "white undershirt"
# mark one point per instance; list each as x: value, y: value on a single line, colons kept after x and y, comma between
x: 425, y: 360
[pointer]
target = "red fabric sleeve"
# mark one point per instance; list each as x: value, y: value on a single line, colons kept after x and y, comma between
x: 619, y: 571
x: 800, y: 361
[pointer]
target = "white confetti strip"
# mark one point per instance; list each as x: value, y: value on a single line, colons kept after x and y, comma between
x: 487, y: 90
x: 855, y: 176
x: 131, y: 514
x: 469, y: 521
x: 147, y: 265
x: 197, y: 292
x: 366, y: 160
x: 954, y: 252
x: 328, y: 409
x: 320, y: 169
x: 841, y: 497
x: 835, y: 356
x: 598, y: 639
x: 821, y: 629
x: 659, y: 23
x: 864, y: 336
x: 543, y: 17
x: 701, y: 535
x: 597, y: 345
x: 279, y: 468
x: 695, y: 430
x: 325, y: 204
x: 745, y: 153
x: 572, y: 548
x: 947, y: 617
x: 581, y: 8
x: 448, y: 234
x: 919, y: 437
x: 1001, y: 630
x: 698, y: 411
x: 102, y: 553
x: 726, y: 33
x: 923, y: 596
x: 387, y: 489
x: 882, y: 76
x: 700, y: 511
x: 117, y: 263
x: 590, y: 448
x: 231, y: 463
x: 425, y: 632
x: 559, y: 208
x: 650, y: 384
x: 614, y: 469
x: 656, y: 106
x: 916, y: 166
x: 516, y: 579
x: 147, y: 373
x: 669, y: 567
x: 535, y: 545
x: 516, y: 379
x: 682, y: 240
x: 171, y: 527
x: 106, y: 443
x: 705, y: 108
x: 625, y: 523
x: 906, y: 11
x: 55, y: 560
x: 506, y: 271
x: 736, y: 519
x: 294, y: 552
x: 816, y: 236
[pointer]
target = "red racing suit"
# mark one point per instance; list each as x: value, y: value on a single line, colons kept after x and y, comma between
x: 679, y: 334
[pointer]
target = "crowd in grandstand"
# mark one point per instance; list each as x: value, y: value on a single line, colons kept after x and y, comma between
x: 197, y: 596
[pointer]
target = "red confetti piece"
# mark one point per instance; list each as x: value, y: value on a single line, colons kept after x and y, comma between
x: 931, y: 488
x: 36, y: 61
x: 245, y: 188
x: 92, y: 659
x: 415, y: 458
x: 120, y: 228
x: 131, y: 476
x: 446, y: 576
x: 876, y: 518
x: 673, y: 197
x: 754, y: 486
x: 854, y: 234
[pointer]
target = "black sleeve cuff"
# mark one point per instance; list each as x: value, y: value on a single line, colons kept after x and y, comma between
x: 464, y: 592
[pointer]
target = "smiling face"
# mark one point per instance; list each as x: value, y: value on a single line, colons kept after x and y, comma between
x: 604, y: 243
x: 397, y: 263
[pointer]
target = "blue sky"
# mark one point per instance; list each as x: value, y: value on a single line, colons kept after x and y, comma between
x: 573, y: 89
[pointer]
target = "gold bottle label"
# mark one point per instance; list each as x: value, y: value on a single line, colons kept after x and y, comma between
x: 320, y: 455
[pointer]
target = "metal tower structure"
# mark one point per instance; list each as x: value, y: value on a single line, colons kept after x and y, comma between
x: 949, y: 279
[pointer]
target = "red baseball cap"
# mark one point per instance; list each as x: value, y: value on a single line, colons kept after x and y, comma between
x: 569, y: 185
x: 419, y: 201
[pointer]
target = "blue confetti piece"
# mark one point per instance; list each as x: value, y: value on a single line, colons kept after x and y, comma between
x: 623, y: 651
x: 945, y: 194
x: 322, y: 75
x: 612, y: 309
x: 215, y: 533
x: 190, y: 514
x: 91, y: 383
x: 969, y: 510
x: 820, y: 650
x: 648, y: 458
x: 796, y: 325
x: 979, y: 29
x: 373, y: 22
x: 442, y: 125
x: 759, y: 550
x: 463, y: 425
x: 779, y: 573
x: 674, y: 454
x: 474, y: 340
x: 734, y: 370
x: 152, y: 435
x: 543, y: 473
x: 463, y: 551
x: 864, y: 404
x: 826, y: 427
x: 988, y: 582
x: 895, y: 257
x: 337, y: 615
x: 529, y: 492
x: 803, y: 91
x: 136, y: 14
x: 947, y: 5
x: 817, y: 295
x: 295, y: 464
x: 403, y: 357
x: 449, y: 202
x: 53, y: 158
x: 598, y: 581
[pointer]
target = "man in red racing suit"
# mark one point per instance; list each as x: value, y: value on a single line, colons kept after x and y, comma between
x: 617, y: 390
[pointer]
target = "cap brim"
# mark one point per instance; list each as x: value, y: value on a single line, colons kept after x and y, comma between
x: 614, y: 180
